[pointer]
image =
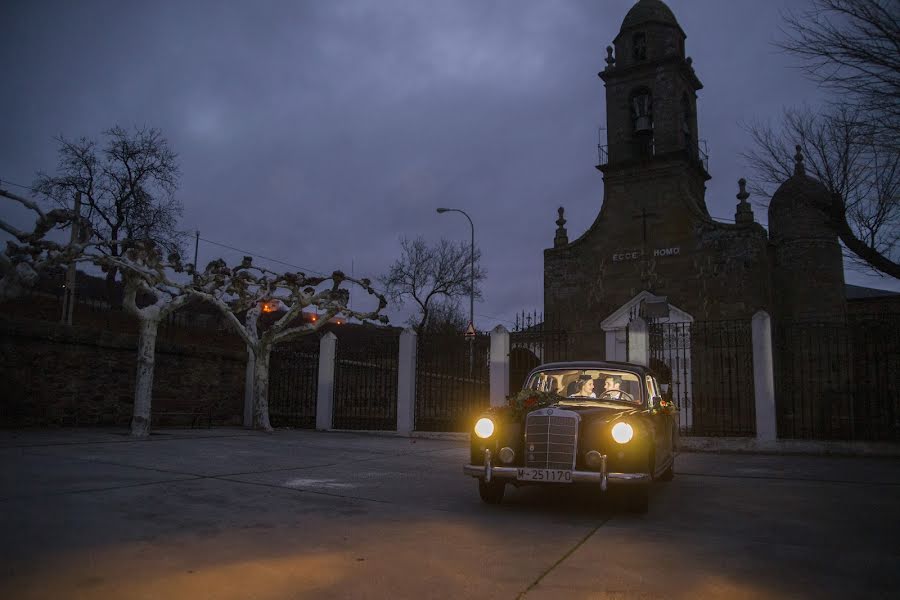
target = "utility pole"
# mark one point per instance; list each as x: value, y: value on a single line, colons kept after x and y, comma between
x: 196, y: 248
x: 69, y: 295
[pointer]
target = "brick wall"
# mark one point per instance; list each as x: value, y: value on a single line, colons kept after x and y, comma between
x: 84, y: 374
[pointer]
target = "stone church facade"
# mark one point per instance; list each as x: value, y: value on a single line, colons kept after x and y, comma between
x: 654, y: 246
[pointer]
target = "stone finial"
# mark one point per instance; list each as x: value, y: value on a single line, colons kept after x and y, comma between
x: 799, y: 169
x: 562, y: 236
x: 744, y: 213
x: 610, y: 59
x: 689, y: 61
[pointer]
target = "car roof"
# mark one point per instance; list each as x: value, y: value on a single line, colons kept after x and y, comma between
x: 609, y: 365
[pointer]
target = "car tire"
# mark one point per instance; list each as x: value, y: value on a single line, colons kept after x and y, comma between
x: 638, y: 499
x: 491, y: 493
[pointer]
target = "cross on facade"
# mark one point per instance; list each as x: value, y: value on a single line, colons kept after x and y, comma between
x: 644, y: 215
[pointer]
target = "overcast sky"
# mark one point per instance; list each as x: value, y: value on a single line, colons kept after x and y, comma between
x: 319, y: 133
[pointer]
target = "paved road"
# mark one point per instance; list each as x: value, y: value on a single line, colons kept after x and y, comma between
x: 233, y: 514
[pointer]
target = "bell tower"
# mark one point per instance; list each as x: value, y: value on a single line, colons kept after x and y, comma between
x: 651, y: 104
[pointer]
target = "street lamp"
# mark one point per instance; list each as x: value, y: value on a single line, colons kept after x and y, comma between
x: 472, y: 264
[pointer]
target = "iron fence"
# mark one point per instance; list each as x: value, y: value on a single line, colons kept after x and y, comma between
x: 365, y: 383
x: 452, y: 380
x: 709, y: 368
x: 839, y: 380
x: 294, y: 383
x: 533, y: 342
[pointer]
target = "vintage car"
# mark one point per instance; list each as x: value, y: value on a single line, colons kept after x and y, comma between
x: 603, y: 423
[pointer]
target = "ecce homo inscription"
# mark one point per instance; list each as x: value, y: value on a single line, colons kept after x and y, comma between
x: 636, y: 254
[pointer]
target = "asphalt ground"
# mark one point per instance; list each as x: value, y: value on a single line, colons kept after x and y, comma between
x: 228, y: 513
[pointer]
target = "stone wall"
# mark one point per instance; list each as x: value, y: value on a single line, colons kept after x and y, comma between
x: 84, y: 374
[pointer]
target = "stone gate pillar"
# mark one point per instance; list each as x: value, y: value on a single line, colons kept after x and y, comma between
x: 499, y: 365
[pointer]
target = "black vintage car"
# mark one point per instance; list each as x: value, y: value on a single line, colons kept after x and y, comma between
x: 604, y: 423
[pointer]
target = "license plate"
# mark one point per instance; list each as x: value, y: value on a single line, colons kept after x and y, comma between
x: 550, y: 475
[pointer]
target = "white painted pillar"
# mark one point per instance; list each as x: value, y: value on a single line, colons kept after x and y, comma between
x: 406, y: 383
x: 325, y: 395
x: 610, y: 346
x: 638, y: 342
x: 249, y: 376
x: 499, y: 365
x: 764, y: 377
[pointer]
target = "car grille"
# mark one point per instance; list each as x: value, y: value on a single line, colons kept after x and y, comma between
x: 551, y: 439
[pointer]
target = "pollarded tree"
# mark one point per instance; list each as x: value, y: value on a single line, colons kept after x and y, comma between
x: 151, y: 294
x: 248, y: 291
x: 30, y: 252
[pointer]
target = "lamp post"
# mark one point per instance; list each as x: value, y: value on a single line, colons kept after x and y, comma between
x: 471, y: 264
x: 471, y: 287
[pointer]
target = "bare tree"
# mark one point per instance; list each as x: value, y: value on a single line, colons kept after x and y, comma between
x: 30, y: 252
x: 426, y: 274
x: 151, y: 294
x: 853, y: 48
x: 127, y: 184
x: 445, y: 317
x: 250, y: 291
x: 862, y: 175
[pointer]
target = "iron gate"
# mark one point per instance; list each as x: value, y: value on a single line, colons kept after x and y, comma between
x: 452, y: 380
x: 839, y: 380
x: 294, y: 382
x: 532, y: 345
x: 365, y: 379
x: 709, y: 368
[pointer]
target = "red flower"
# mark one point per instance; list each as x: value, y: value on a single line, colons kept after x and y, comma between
x: 531, y: 401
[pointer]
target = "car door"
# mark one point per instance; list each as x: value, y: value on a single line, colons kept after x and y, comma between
x: 661, y: 424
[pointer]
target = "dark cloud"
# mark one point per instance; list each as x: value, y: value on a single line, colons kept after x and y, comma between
x: 321, y: 132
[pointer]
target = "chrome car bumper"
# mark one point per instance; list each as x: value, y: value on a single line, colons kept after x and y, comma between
x: 488, y: 471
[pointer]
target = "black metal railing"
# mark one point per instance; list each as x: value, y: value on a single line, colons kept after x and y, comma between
x: 365, y: 381
x: 452, y: 380
x: 294, y: 383
x: 839, y: 380
x: 709, y: 368
x: 533, y: 342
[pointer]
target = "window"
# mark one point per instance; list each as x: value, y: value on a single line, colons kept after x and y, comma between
x: 642, y: 111
x: 639, y: 46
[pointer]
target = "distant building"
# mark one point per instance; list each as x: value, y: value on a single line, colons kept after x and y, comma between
x: 654, y: 249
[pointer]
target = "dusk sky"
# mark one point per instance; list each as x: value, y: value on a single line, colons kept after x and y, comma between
x: 320, y: 133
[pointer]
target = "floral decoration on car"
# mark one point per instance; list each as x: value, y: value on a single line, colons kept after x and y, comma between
x: 528, y: 400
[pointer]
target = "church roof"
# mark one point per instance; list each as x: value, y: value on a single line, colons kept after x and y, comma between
x: 649, y: 11
x: 800, y: 190
x: 857, y: 292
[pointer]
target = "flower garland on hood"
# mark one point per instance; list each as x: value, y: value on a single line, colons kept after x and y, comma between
x: 524, y: 402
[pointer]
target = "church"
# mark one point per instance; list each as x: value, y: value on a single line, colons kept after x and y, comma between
x: 654, y: 250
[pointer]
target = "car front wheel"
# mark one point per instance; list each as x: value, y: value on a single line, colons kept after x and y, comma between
x: 492, y: 492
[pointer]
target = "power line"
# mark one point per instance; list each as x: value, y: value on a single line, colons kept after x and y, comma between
x: 7, y: 181
x: 274, y: 260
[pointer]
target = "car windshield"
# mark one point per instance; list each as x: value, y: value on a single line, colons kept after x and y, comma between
x: 589, y: 385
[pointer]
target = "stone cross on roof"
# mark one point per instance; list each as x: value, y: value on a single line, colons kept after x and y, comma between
x: 744, y: 213
x: 562, y: 236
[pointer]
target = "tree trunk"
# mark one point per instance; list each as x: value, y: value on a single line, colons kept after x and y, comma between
x: 262, y: 388
x: 143, y: 385
x: 112, y: 295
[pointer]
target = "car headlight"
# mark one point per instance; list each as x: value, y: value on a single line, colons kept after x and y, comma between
x: 484, y: 428
x: 622, y: 432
